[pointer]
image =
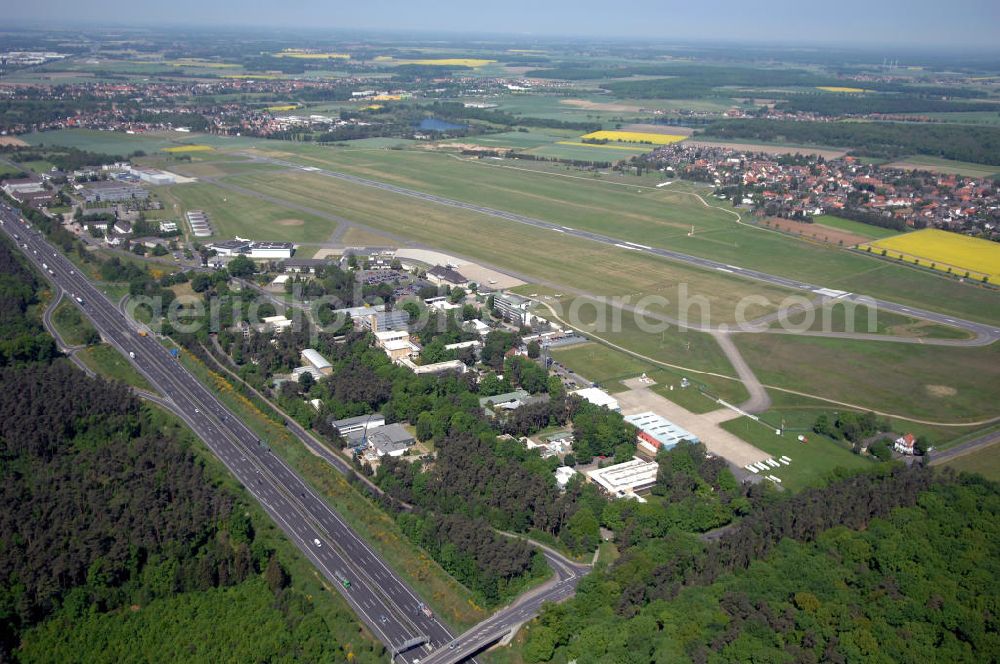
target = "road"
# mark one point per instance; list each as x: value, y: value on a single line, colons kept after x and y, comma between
x: 969, y: 446
x: 982, y: 333
x: 504, y: 622
x: 381, y: 599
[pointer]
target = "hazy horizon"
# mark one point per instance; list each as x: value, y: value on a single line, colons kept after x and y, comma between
x: 964, y: 25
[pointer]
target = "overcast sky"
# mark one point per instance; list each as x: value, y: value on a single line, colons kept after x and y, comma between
x: 963, y: 23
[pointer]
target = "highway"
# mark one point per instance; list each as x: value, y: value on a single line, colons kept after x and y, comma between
x: 381, y: 599
x: 982, y: 333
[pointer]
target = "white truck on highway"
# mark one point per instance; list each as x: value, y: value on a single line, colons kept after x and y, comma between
x: 131, y: 354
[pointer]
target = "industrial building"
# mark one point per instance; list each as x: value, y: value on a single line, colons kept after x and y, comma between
x: 304, y: 265
x: 317, y: 361
x: 153, y: 176
x: 350, y: 425
x: 396, y: 344
x: 112, y: 192
x: 445, y: 276
x: 265, y: 250
x: 435, y: 368
x: 512, y: 308
x: 506, y: 401
x: 276, y: 323
x: 658, y: 433
x: 626, y: 480
x: 598, y: 397
x: 257, y: 250
x: 231, y: 247
x: 389, y: 439
x: 380, y: 321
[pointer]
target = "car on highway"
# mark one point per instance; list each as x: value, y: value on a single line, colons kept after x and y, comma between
x: 317, y: 543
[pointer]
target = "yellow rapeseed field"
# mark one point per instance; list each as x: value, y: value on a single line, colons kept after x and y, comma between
x: 437, y: 62
x: 837, y: 88
x: 942, y: 250
x: 282, y: 107
x: 190, y: 148
x: 634, y: 137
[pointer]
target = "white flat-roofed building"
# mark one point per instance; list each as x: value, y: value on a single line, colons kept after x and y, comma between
x: 563, y: 475
x: 626, y: 480
x: 397, y: 349
x: 274, y: 323
x: 598, y: 397
x: 312, y: 371
x: 271, y: 249
x: 230, y: 247
x: 656, y: 432
x: 352, y: 424
x: 437, y: 367
x: 478, y: 326
x: 475, y: 343
x: 314, y: 359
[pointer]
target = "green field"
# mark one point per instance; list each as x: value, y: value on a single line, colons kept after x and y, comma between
x: 856, y: 227
x: 71, y: 324
x: 692, y: 354
x: 518, y: 139
x: 122, y: 144
x: 812, y: 461
x: 836, y: 316
x: 967, y: 117
x: 932, y: 383
x: 946, y: 166
x: 659, y: 217
x: 109, y: 363
x: 596, y: 153
x: 600, y: 364
x: 985, y: 461
x: 542, y: 254
x: 234, y: 214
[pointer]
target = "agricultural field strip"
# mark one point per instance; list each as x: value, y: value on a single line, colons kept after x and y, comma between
x: 943, y: 249
x: 977, y: 329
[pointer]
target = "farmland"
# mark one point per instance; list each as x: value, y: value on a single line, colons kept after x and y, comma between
x: 838, y: 88
x: 944, y: 251
x: 634, y: 137
x: 937, y: 165
x: 189, y: 148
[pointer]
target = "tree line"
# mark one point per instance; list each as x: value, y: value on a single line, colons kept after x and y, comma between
x: 899, y: 580
x: 888, y: 140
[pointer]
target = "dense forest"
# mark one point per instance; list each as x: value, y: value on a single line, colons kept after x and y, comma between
x: 893, y: 567
x: 886, y: 140
x: 856, y: 104
x: 115, y: 531
x: 22, y: 338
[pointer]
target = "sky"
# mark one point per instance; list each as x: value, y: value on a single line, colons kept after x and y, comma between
x: 913, y: 23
